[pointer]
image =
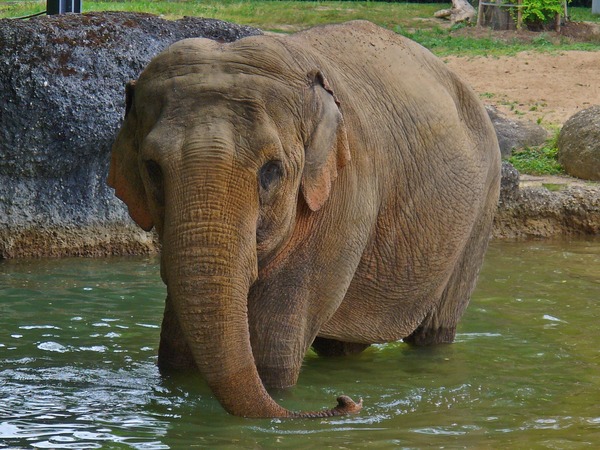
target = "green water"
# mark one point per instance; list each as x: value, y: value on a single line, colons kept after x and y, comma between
x: 78, y: 344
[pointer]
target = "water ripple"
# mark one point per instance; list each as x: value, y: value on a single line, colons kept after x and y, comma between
x: 78, y: 368
x: 78, y: 408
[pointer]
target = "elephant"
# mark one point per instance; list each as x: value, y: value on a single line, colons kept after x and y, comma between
x: 333, y: 188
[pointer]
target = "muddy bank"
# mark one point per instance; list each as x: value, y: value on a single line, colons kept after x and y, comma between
x: 546, y: 88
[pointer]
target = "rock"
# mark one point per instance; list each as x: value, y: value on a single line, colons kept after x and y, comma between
x: 527, y: 210
x: 509, y: 183
x: 579, y: 144
x: 515, y: 134
x: 537, y: 212
x: 62, y: 90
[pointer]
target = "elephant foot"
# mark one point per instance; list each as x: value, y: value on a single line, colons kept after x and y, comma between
x: 423, y: 336
x: 174, y: 355
x: 331, y: 347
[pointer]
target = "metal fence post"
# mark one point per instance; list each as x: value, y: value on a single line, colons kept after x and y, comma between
x: 63, y: 6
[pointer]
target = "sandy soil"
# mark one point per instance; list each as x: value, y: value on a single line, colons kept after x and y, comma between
x: 541, y: 87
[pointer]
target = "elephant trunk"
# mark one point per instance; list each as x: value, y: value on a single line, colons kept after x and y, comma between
x: 209, y: 258
x: 210, y: 262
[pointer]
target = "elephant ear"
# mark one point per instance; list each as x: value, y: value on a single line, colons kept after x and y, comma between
x: 326, y: 143
x: 124, y: 175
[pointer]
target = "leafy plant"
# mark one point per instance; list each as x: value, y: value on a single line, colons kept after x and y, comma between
x: 538, y: 160
x: 539, y: 12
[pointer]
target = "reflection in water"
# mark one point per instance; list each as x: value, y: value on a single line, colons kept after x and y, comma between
x: 78, y: 344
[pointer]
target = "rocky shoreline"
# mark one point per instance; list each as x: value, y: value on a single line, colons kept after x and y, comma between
x: 524, y: 212
x: 61, y: 102
x: 546, y: 207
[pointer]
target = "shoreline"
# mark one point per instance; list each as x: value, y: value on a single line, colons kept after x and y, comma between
x: 546, y: 207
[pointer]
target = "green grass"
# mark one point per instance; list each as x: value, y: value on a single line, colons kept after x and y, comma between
x: 554, y: 187
x: 444, y: 43
x: 583, y: 15
x: 538, y: 160
x: 410, y: 19
x: 267, y: 15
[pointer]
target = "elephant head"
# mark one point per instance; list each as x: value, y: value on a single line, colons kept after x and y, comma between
x: 219, y: 147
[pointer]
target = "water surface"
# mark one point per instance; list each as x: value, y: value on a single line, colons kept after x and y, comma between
x: 79, y: 338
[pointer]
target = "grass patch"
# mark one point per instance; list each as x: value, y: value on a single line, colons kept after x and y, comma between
x: 284, y: 16
x: 538, y: 160
x: 553, y: 187
x: 581, y: 14
x: 414, y: 20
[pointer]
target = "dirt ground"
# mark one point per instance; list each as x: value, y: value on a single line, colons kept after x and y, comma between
x: 547, y: 88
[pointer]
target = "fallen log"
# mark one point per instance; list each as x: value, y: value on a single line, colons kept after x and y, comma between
x: 461, y: 11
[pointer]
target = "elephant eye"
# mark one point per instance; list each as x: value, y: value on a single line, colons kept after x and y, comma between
x: 270, y: 173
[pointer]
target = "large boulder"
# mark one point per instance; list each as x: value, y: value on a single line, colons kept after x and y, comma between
x: 515, y: 134
x: 62, y: 84
x: 579, y: 144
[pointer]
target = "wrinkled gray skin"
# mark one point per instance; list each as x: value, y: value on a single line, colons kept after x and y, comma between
x: 336, y: 186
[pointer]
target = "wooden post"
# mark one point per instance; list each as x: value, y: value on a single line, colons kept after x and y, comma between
x: 519, y: 14
x: 480, y: 13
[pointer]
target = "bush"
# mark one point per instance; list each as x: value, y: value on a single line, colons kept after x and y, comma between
x: 536, y: 13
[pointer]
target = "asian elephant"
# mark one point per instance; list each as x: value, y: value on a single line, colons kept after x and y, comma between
x: 333, y: 188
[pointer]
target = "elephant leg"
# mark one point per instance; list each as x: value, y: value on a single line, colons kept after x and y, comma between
x: 439, y: 326
x: 282, y: 375
x: 331, y: 347
x: 431, y: 333
x: 174, y: 354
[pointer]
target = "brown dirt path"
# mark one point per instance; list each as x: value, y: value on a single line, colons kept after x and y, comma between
x: 547, y: 88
